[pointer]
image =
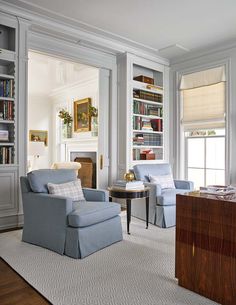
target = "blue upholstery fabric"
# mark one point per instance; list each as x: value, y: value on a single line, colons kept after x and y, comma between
x: 89, y: 213
x: 184, y: 184
x: 81, y: 242
x: 45, y: 219
x: 162, y: 202
x: 142, y: 171
x: 95, y: 195
x: 165, y: 216
x: 168, y: 196
x: 39, y: 179
x: 46, y: 216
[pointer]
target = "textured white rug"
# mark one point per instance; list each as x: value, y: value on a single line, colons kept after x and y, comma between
x: 138, y: 270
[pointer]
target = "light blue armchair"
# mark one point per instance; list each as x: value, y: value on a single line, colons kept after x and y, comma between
x: 75, y: 229
x: 162, y: 202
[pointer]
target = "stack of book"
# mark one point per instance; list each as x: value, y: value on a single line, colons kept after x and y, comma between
x: 6, y: 110
x: 7, y: 88
x: 131, y: 185
x: 6, y: 155
x: 145, y: 109
x: 138, y: 139
x: 148, y: 96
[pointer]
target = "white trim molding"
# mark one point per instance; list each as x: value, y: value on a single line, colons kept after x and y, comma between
x: 71, y: 30
x: 176, y: 77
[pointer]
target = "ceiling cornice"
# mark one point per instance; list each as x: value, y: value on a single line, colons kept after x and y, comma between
x: 50, y: 23
x: 210, y: 50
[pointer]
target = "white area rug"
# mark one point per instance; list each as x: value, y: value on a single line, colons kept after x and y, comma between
x: 138, y: 270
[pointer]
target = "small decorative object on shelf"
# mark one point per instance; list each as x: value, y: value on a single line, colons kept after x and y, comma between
x: 93, y: 113
x: 147, y: 155
x: 129, y: 177
x: 144, y: 79
x: 67, y: 123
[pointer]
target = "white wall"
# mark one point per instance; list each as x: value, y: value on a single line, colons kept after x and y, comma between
x: 199, y: 61
x: 86, y: 87
x: 39, y: 118
x: 55, y: 84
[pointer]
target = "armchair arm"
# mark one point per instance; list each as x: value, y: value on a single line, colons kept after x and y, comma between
x: 45, y: 220
x: 154, y: 188
x: 184, y: 184
x: 95, y: 195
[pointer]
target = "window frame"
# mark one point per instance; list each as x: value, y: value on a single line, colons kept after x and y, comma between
x: 179, y: 141
x: 205, y: 168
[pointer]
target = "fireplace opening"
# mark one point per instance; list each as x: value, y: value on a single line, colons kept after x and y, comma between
x: 87, y: 172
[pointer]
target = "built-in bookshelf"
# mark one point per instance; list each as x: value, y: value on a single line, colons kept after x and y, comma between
x: 143, y: 112
x: 147, y: 114
x: 7, y: 94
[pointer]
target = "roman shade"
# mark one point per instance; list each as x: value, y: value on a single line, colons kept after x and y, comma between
x: 203, y: 78
x: 203, y: 96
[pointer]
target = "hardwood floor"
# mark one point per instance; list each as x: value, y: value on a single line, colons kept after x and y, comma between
x: 14, y: 290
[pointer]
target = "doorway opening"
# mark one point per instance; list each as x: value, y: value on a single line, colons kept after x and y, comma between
x: 63, y: 115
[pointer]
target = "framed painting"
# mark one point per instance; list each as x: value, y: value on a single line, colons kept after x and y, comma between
x: 39, y: 136
x: 82, y: 119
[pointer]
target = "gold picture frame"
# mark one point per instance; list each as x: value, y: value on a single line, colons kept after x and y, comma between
x: 82, y: 119
x: 39, y: 136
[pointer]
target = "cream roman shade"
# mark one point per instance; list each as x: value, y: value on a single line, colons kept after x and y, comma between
x: 203, y: 78
x: 204, y: 106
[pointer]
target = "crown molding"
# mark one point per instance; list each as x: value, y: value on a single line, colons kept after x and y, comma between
x: 58, y: 26
x: 211, y: 50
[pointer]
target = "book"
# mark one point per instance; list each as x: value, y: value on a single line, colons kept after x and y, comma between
x: 128, y: 188
x: 131, y: 185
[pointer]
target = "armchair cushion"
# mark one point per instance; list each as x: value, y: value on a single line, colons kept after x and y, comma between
x: 71, y: 190
x: 165, y: 181
x: 39, y: 179
x: 90, y: 213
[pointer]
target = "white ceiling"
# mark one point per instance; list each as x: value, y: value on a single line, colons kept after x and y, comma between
x: 47, y: 74
x: 154, y: 23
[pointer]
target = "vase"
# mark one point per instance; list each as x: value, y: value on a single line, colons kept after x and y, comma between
x: 94, y: 126
x: 67, y: 131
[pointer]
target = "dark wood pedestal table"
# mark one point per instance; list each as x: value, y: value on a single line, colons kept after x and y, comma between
x: 129, y: 195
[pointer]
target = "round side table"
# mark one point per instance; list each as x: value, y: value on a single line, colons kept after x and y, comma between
x: 129, y: 195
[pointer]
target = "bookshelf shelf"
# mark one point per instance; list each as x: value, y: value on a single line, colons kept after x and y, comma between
x: 6, y: 76
x: 147, y: 146
x: 147, y: 116
x: 7, y: 144
x: 7, y: 98
x: 147, y: 131
x: 7, y: 122
x: 147, y: 101
x: 143, y: 86
x: 8, y: 165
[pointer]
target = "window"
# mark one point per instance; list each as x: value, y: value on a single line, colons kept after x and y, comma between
x: 203, y: 126
x: 205, y: 164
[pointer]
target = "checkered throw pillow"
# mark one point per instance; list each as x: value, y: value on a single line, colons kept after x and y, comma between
x: 71, y: 189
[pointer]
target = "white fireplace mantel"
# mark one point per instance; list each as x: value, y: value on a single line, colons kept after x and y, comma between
x: 88, y: 144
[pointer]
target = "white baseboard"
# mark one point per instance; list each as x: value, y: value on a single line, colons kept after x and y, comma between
x: 13, y: 221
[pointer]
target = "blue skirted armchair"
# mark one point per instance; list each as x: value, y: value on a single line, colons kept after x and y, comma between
x: 76, y: 229
x: 162, y: 202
